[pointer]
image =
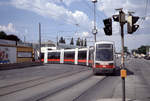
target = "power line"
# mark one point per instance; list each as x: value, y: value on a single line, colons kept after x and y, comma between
x: 90, y: 8
x: 146, y: 7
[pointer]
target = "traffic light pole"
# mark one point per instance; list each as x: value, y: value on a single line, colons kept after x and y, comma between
x: 122, y: 61
x: 132, y: 27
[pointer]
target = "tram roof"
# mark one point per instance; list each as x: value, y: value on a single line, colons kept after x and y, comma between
x: 105, y: 42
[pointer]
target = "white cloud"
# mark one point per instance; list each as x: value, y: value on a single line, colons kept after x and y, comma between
x: 49, y: 9
x: 85, y: 34
x: 66, y: 2
x: 9, y: 28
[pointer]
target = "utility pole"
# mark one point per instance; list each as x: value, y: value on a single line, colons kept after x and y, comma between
x: 40, y: 42
x: 94, y: 31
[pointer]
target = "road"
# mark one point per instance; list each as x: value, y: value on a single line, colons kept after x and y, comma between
x: 60, y: 82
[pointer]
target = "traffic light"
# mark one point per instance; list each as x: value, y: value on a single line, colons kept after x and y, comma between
x: 108, y: 26
x: 116, y: 18
x: 131, y: 26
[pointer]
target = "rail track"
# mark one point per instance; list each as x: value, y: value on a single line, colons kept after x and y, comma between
x: 16, y: 87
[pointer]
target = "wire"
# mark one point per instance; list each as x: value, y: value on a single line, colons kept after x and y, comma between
x: 146, y: 7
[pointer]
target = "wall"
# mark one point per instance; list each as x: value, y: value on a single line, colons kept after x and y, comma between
x: 24, y: 54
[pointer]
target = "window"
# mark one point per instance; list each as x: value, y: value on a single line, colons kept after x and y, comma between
x: 69, y: 55
x: 82, y: 54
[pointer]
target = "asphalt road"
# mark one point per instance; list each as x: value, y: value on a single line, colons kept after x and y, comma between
x: 61, y: 85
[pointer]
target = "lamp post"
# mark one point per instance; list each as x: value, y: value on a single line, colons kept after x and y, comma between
x: 94, y: 31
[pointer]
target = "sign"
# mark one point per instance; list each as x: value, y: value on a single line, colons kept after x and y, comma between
x: 24, y: 54
x: 123, y: 73
x: 7, y: 54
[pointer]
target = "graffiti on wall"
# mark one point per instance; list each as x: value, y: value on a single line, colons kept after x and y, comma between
x: 4, y: 55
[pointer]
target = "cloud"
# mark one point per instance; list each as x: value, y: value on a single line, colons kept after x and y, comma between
x: 50, y: 9
x: 85, y: 34
x: 9, y: 28
x: 66, y: 2
x: 138, y: 6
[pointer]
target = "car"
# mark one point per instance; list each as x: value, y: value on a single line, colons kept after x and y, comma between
x: 147, y: 57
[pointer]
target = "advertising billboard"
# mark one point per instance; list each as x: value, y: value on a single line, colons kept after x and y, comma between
x: 7, y: 54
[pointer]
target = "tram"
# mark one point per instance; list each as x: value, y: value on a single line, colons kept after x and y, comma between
x: 100, y: 57
x: 104, y: 57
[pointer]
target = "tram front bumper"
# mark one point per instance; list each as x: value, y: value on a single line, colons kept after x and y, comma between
x: 104, y: 70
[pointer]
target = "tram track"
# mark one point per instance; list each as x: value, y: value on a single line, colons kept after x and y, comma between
x: 63, y: 94
x: 16, y: 87
x: 51, y: 87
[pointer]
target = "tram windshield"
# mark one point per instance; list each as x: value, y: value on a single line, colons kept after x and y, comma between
x: 104, y: 52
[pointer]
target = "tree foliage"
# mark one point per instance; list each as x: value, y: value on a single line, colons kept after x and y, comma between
x: 125, y: 49
x: 81, y: 42
x: 3, y: 35
x: 85, y: 42
x: 142, y: 50
x: 71, y: 43
x: 12, y: 37
x: 78, y: 42
x: 62, y: 40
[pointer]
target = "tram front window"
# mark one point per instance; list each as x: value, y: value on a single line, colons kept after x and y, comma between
x: 104, y: 55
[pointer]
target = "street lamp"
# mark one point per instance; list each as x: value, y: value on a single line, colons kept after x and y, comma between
x: 94, y: 31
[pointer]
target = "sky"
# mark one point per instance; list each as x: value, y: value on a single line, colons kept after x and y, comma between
x: 73, y: 18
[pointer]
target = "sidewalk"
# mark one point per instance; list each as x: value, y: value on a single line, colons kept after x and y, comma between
x: 19, y: 65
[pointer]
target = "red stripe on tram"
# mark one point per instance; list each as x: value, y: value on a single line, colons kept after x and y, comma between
x: 81, y: 60
x: 42, y: 60
x: 69, y: 60
x: 90, y: 61
x: 53, y: 59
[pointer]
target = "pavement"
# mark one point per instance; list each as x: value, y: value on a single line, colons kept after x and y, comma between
x: 19, y: 65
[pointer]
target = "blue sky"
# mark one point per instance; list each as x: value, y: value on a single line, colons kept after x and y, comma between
x: 72, y: 18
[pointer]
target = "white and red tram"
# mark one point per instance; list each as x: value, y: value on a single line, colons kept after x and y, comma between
x: 101, y: 57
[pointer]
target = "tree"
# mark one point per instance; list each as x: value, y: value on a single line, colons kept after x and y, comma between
x: 142, y: 50
x: 61, y: 40
x: 81, y: 42
x: 71, y: 43
x: 126, y: 49
x: 3, y: 35
x: 134, y: 51
x: 85, y: 42
x: 78, y: 42
x: 12, y: 37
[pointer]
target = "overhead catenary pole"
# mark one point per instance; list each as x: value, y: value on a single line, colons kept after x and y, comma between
x: 40, y: 42
x: 94, y: 31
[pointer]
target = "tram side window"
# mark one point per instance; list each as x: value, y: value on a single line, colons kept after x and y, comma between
x: 69, y: 55
x: 42, y: 55
x: 54, y: 55
x: 82, y: 54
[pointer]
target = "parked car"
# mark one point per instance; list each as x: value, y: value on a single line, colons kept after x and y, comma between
x: 147, y: 57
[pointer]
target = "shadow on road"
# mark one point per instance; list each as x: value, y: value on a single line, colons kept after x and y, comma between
x: 116, y: 73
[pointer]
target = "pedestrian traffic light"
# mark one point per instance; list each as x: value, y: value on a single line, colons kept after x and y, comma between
x: 131, y: 26
x: 108, y: 26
